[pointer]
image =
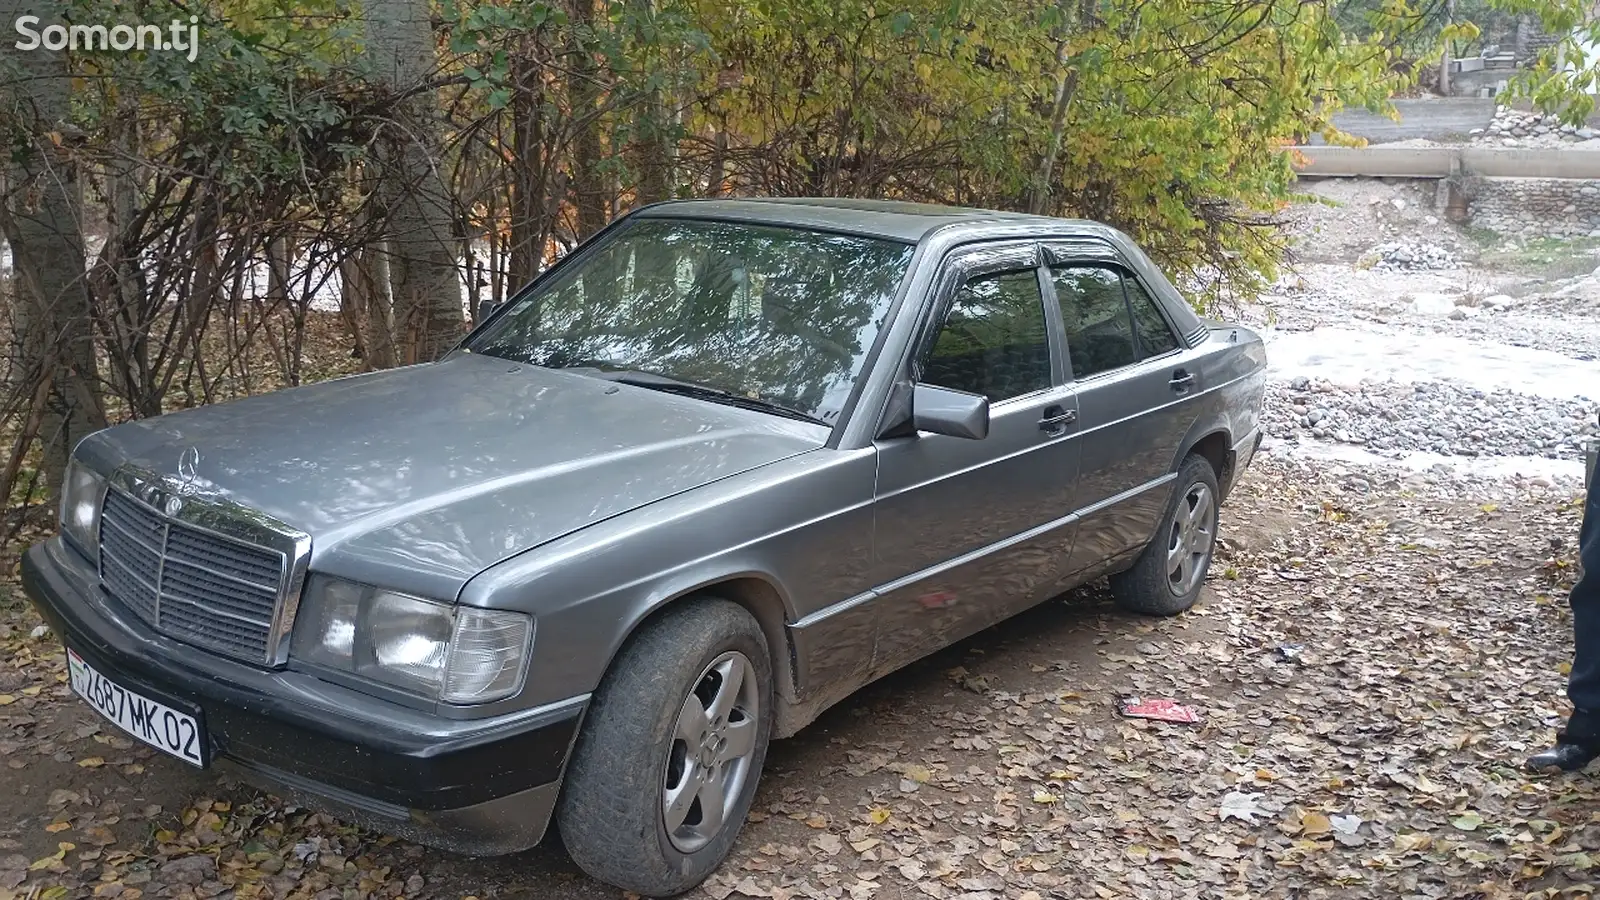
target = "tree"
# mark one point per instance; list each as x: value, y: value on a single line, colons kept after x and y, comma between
x: 53, y: 352
x: 423, y: 268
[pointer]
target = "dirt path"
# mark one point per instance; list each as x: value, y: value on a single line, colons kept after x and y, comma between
x: 1373, y: 659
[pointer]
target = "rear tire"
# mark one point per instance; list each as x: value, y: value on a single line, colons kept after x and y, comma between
x: 1167, y: 577
x: 665, y: 768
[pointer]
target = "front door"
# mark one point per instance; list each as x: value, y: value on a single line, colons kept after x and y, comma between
x: 968, y: 532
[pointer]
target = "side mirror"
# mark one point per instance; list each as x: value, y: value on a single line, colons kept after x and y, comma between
x: 950, y: 412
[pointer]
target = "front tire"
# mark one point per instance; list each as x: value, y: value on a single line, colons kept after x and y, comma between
x: 666, y: 766
x: 1167, y: 577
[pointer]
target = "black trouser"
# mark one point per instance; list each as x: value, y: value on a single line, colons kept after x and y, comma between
x: 1584, y: 686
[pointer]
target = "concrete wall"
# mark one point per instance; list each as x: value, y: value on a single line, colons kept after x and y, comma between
x: 1534, y: 207
x: 1438, y: 162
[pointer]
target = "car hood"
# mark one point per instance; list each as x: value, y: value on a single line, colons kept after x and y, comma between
x: 419, y: 478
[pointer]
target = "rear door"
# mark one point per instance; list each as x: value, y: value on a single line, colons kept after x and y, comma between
x: 968, y: 532
x: 1135, y: 382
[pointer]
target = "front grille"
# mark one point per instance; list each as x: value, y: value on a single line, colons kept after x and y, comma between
x: 189, y: 583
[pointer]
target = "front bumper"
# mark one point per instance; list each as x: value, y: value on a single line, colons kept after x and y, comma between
x: 479, y: 786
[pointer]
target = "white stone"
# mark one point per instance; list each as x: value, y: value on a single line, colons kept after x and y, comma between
x: 1463, y: 312
x: 1499, y: 301
x: 1398, y: 203
x: 1432, y: 304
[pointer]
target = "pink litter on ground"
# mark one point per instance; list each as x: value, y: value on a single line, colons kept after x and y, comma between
x: 1160, y: 710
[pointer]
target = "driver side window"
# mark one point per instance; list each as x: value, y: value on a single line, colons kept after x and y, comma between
x: 993, y: 341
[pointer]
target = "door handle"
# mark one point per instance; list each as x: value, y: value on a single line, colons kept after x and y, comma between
x: 1056, y: 419
x: 1182, y: 381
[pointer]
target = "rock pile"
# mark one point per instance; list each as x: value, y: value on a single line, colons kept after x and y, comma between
x: 1512, y: 128
x: 1438, y: 417
x: 1410, y: 255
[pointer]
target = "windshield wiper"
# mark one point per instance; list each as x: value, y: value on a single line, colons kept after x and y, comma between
x: 715, y: 395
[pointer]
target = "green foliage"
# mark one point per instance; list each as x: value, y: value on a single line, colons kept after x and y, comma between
x: 1169, y: 120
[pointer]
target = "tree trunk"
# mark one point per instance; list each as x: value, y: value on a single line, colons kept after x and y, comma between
x: 280, y: 254
x: 355, y: 291
x: 1039, y: 191
x: 588, y: 181
x: 1444, y: 58
x: 424, y: 273
x: 40, y: 218
x: 529, y: 168
x: 373, y: 266
x: 651, y: 136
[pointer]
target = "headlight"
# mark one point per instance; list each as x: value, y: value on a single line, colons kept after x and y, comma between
x: 434, y: 650
x: 81, y: 495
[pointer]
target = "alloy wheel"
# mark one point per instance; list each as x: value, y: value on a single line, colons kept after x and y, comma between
x: 1189, y: 545
x: 712, y: 743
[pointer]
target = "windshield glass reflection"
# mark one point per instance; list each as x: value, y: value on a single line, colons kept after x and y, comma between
x: 772, y: 314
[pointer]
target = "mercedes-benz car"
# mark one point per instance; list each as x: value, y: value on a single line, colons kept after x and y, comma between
x: 720, y: 467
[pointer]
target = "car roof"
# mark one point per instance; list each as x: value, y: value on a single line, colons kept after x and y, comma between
x: 893, y: 219
x: 913, y: 222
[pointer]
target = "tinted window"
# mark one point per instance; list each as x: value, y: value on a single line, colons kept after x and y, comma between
x: 1155, y: 338
x: 993, y: 341
x: 778, y: 314
x: 1099, y: 333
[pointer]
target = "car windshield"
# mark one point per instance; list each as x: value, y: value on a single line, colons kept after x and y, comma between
x: 780, y: 317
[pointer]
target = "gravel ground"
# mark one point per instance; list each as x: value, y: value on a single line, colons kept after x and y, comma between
x: 1423, y: 281
x: 1436, y: 417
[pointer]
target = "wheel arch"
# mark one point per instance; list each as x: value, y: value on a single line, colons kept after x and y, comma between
x: 759, y: 594
x: 1215, y: 444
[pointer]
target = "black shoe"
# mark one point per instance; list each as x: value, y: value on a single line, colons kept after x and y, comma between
x: 1563, y: 757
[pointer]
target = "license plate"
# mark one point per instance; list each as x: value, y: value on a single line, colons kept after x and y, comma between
x: 157, y: 724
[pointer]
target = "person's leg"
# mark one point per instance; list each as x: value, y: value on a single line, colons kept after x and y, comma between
x: 1583, y: 688
x: 1579, y: 743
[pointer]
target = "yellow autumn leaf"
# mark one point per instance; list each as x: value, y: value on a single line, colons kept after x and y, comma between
x: 919, y: 774
x: 93, y: 762
x: 1315, y: 823
x: 817, y: 820
x: 1416, y: 841
x: 55, y: 827
x: 7, y: 699
x: 1044, y: 797
x: 878, y: 815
